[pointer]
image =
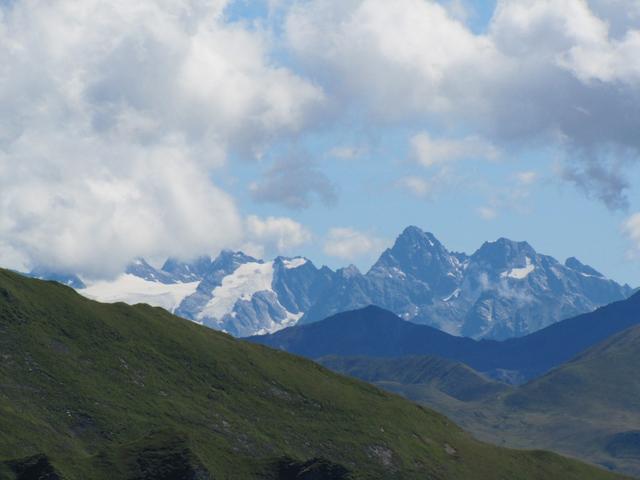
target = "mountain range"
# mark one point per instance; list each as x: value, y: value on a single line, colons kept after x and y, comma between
x: 505, y: 289
x: 89, y: 390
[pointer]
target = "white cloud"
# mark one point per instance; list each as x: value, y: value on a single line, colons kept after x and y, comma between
x: 526, y: 178
x: 351, y: 244
x: 275, y: 235
x: 429, y: 151
x: 620, y: 15
x: 458, y: 9
x: 514, y: 197
x: 347, y: 152
x: 631, y: 229
x: 487, y: 213
x: 545, y: 71
x: 294, y: 181
x: 395, y: 54
x: 85, y: 212
x: 416, y: 186
x: 116, y: 115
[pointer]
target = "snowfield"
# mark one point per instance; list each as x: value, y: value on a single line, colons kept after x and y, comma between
x: 246, y: 281
x: 130, y: 289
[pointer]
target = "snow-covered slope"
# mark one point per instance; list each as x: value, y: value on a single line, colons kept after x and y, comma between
x: 245, y: 301
x: 242, y: 284
x: 132, y: 290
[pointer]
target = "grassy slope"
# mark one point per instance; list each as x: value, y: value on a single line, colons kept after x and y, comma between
x: 580, y: 407
x: 100, y: 389
x: 588, y: 408
x: 426, y: 373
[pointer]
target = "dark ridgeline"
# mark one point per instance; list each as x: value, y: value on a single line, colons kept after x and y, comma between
x: 375, y: 332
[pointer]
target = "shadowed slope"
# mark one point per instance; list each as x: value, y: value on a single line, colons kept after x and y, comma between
x: 375, y: 332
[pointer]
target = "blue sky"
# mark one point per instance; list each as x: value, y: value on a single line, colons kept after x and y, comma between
x: 556, y: 218
x: 320, y: 128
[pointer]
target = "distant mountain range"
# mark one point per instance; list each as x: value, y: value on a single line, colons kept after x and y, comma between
x: 116, y: 392
x: 374, y: 332
x: 505, y: 289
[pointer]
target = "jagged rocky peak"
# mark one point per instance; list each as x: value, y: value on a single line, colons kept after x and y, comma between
x: 227, y: 257
x: 420, y: 255
x: 141, y: 268
x: 505, y: 253
x: 414, y: 243
x: 188, y: 271
x: 413, y: 248
x: 67, y: 279
x: 349, y: 272
x: 574, y: 264
x: 228, y: 261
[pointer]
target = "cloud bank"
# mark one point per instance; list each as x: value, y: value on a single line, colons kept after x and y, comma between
x: 545, y: 71
x: 350, y: 244
x: 116, y: 116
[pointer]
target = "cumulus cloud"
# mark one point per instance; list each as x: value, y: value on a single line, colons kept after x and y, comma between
x: 487, y: 212
x: 602, y: 178
x: 116, y: 115
x: 620, y: 15
x: 544, y: 71
x: 347, y: 152
x: 527, y: 177
x: 275, y: 235
x: 416, y: 186
x: 513, y: 197
x: 351, y: 244
x: 429, y: 151
x: 294, y: 181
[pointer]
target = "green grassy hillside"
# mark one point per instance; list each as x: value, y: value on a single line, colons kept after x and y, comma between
x: 587, y: 408
x: 425, y: 373
x: 117, y: 392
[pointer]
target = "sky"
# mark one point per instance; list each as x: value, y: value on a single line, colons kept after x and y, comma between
x: 320, y: 128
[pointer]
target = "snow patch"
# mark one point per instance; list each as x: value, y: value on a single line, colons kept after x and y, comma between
x: 396, y: 272
x: 591, y: 276
x: 290, y: 321
x: 290, y: 264
x: 520, y: 273
x: 130, y: 289
x: 455, y: 294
